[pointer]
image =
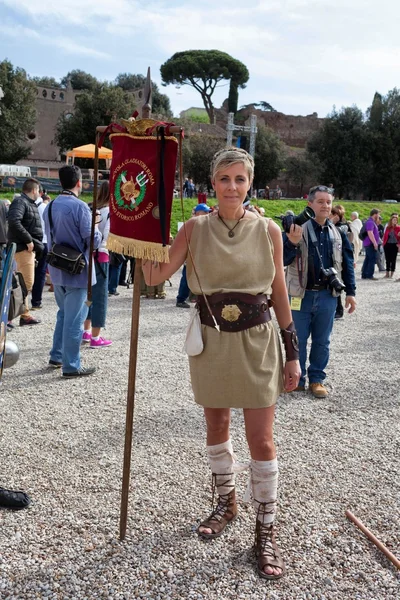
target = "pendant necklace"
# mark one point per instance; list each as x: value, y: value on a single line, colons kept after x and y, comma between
x: 230, y: 230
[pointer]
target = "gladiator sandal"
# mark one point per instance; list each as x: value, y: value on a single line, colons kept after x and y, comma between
x: 226, y: 509
x: 267, y: 551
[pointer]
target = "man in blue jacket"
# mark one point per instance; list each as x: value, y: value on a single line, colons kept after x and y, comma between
x: 72, y: 221
x: 313, y: 288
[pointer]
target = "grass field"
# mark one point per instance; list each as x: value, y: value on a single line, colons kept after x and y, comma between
x: 272, y: 207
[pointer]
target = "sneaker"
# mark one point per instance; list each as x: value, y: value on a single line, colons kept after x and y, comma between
x: 13, y: 500
x: 318, y: 390
x: 86, y: 337
x: 100, y: 343
x: 29, y: 321
x: 82, y: 372
x: 10, y: 325
x: 182, y: 305
x: 55, y: 364
x: 113, y: 293
x: 37, y: 307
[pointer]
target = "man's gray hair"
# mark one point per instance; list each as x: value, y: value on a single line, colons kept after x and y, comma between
x: 319, y: 188
x: 354, y: 214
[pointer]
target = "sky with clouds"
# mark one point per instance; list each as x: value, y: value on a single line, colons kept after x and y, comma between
x: 303, y: 56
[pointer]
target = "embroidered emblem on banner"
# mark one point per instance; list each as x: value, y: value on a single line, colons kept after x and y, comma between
x: 132, y: 180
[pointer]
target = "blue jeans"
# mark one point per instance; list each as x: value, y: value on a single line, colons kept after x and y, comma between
x: 98, y: 310
x: 316, y: 319
x: 183, y: 292
x: 368, y: 267
x: 69, y: 327
x: 40, y: 278
x: 113, y: 278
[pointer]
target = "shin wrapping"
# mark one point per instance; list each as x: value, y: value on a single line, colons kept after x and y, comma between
x: 264, y: 480
x: 221, y: 460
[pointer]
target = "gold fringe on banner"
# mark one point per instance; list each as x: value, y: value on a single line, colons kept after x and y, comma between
x: 138, y: 248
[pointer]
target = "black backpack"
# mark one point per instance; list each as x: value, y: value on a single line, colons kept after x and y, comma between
x: 363, y: 233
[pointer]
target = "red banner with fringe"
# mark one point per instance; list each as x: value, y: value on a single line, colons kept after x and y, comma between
x: 142, y: 178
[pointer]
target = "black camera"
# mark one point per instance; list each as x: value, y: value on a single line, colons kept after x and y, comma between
x: 303, y: 217
x: 332, y: 279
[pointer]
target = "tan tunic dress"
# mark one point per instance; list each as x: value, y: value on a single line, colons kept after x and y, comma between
x: 236, y: 369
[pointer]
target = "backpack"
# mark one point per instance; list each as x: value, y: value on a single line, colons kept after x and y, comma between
x: 363, y: 233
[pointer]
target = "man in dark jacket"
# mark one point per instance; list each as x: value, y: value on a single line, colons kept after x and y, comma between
x: 25, y: 230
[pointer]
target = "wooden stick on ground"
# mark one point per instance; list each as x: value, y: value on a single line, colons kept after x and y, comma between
x: 373, y: 539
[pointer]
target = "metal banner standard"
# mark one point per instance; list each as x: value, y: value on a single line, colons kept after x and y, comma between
x: 7, y: 260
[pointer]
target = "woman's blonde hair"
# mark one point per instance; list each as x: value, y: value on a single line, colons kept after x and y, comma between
x: 231, y: 156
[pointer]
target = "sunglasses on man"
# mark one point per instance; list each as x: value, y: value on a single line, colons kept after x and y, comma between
x: 321, y: 188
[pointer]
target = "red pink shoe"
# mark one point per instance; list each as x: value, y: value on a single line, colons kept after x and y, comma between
x: 86, y: 337
x: 100, y: 343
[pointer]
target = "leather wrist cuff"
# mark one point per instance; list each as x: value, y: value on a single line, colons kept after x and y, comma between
x: 290, y: 342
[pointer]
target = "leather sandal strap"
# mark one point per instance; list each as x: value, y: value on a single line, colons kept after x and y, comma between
x: 267, y: 550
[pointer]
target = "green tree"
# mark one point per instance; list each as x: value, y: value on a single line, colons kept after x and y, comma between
x: 341, y: 146
x: 375, y: 112
x: 80, y: 80
x: 198, y: 153
x: 262, y: 105
x: 233, y: 97
x: 269, y: 156
x: 160, y: 102
x: 203, y: 70
x: 265, y: 106
x: 383, y: 127
x: 17, y: 113
x: 299, y: 170
x: 47, y: 82
x: 91, y: 109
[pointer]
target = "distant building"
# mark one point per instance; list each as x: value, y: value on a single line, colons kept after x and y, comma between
x: 193, y: 111
x: 51, y: 103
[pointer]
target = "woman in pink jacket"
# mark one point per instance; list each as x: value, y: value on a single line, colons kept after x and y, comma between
x: 391, y: 242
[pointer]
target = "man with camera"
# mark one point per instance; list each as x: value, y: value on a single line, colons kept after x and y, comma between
x: 68, y: 223
x: 318, y: 256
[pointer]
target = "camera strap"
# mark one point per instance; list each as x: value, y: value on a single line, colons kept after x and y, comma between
x: 314, y: 240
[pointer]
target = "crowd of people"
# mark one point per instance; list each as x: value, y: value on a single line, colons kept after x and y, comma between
x: 301, y: 273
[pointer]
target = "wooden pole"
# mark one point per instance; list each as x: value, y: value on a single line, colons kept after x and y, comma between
x: 373, y: 539
x: 94, y: 209
x: 130, y: 405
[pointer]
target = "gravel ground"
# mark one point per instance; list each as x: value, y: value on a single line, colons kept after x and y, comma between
x: 62, y: 440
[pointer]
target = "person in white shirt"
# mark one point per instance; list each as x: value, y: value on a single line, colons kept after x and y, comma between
x: 40, y: 269
x: 355, y: 226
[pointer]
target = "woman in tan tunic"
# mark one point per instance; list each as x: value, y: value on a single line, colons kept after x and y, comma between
x: 236, y: 262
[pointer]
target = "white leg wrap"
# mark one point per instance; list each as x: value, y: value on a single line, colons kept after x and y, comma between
x: 264, y: 480
x: 221, y: 460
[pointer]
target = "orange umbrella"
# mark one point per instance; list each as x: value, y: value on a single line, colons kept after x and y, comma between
x: 88, y: 151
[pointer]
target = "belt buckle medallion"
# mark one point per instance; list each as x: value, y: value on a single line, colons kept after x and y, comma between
x: 231, y: 312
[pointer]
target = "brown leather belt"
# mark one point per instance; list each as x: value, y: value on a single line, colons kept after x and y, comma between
x: 235, y: 311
